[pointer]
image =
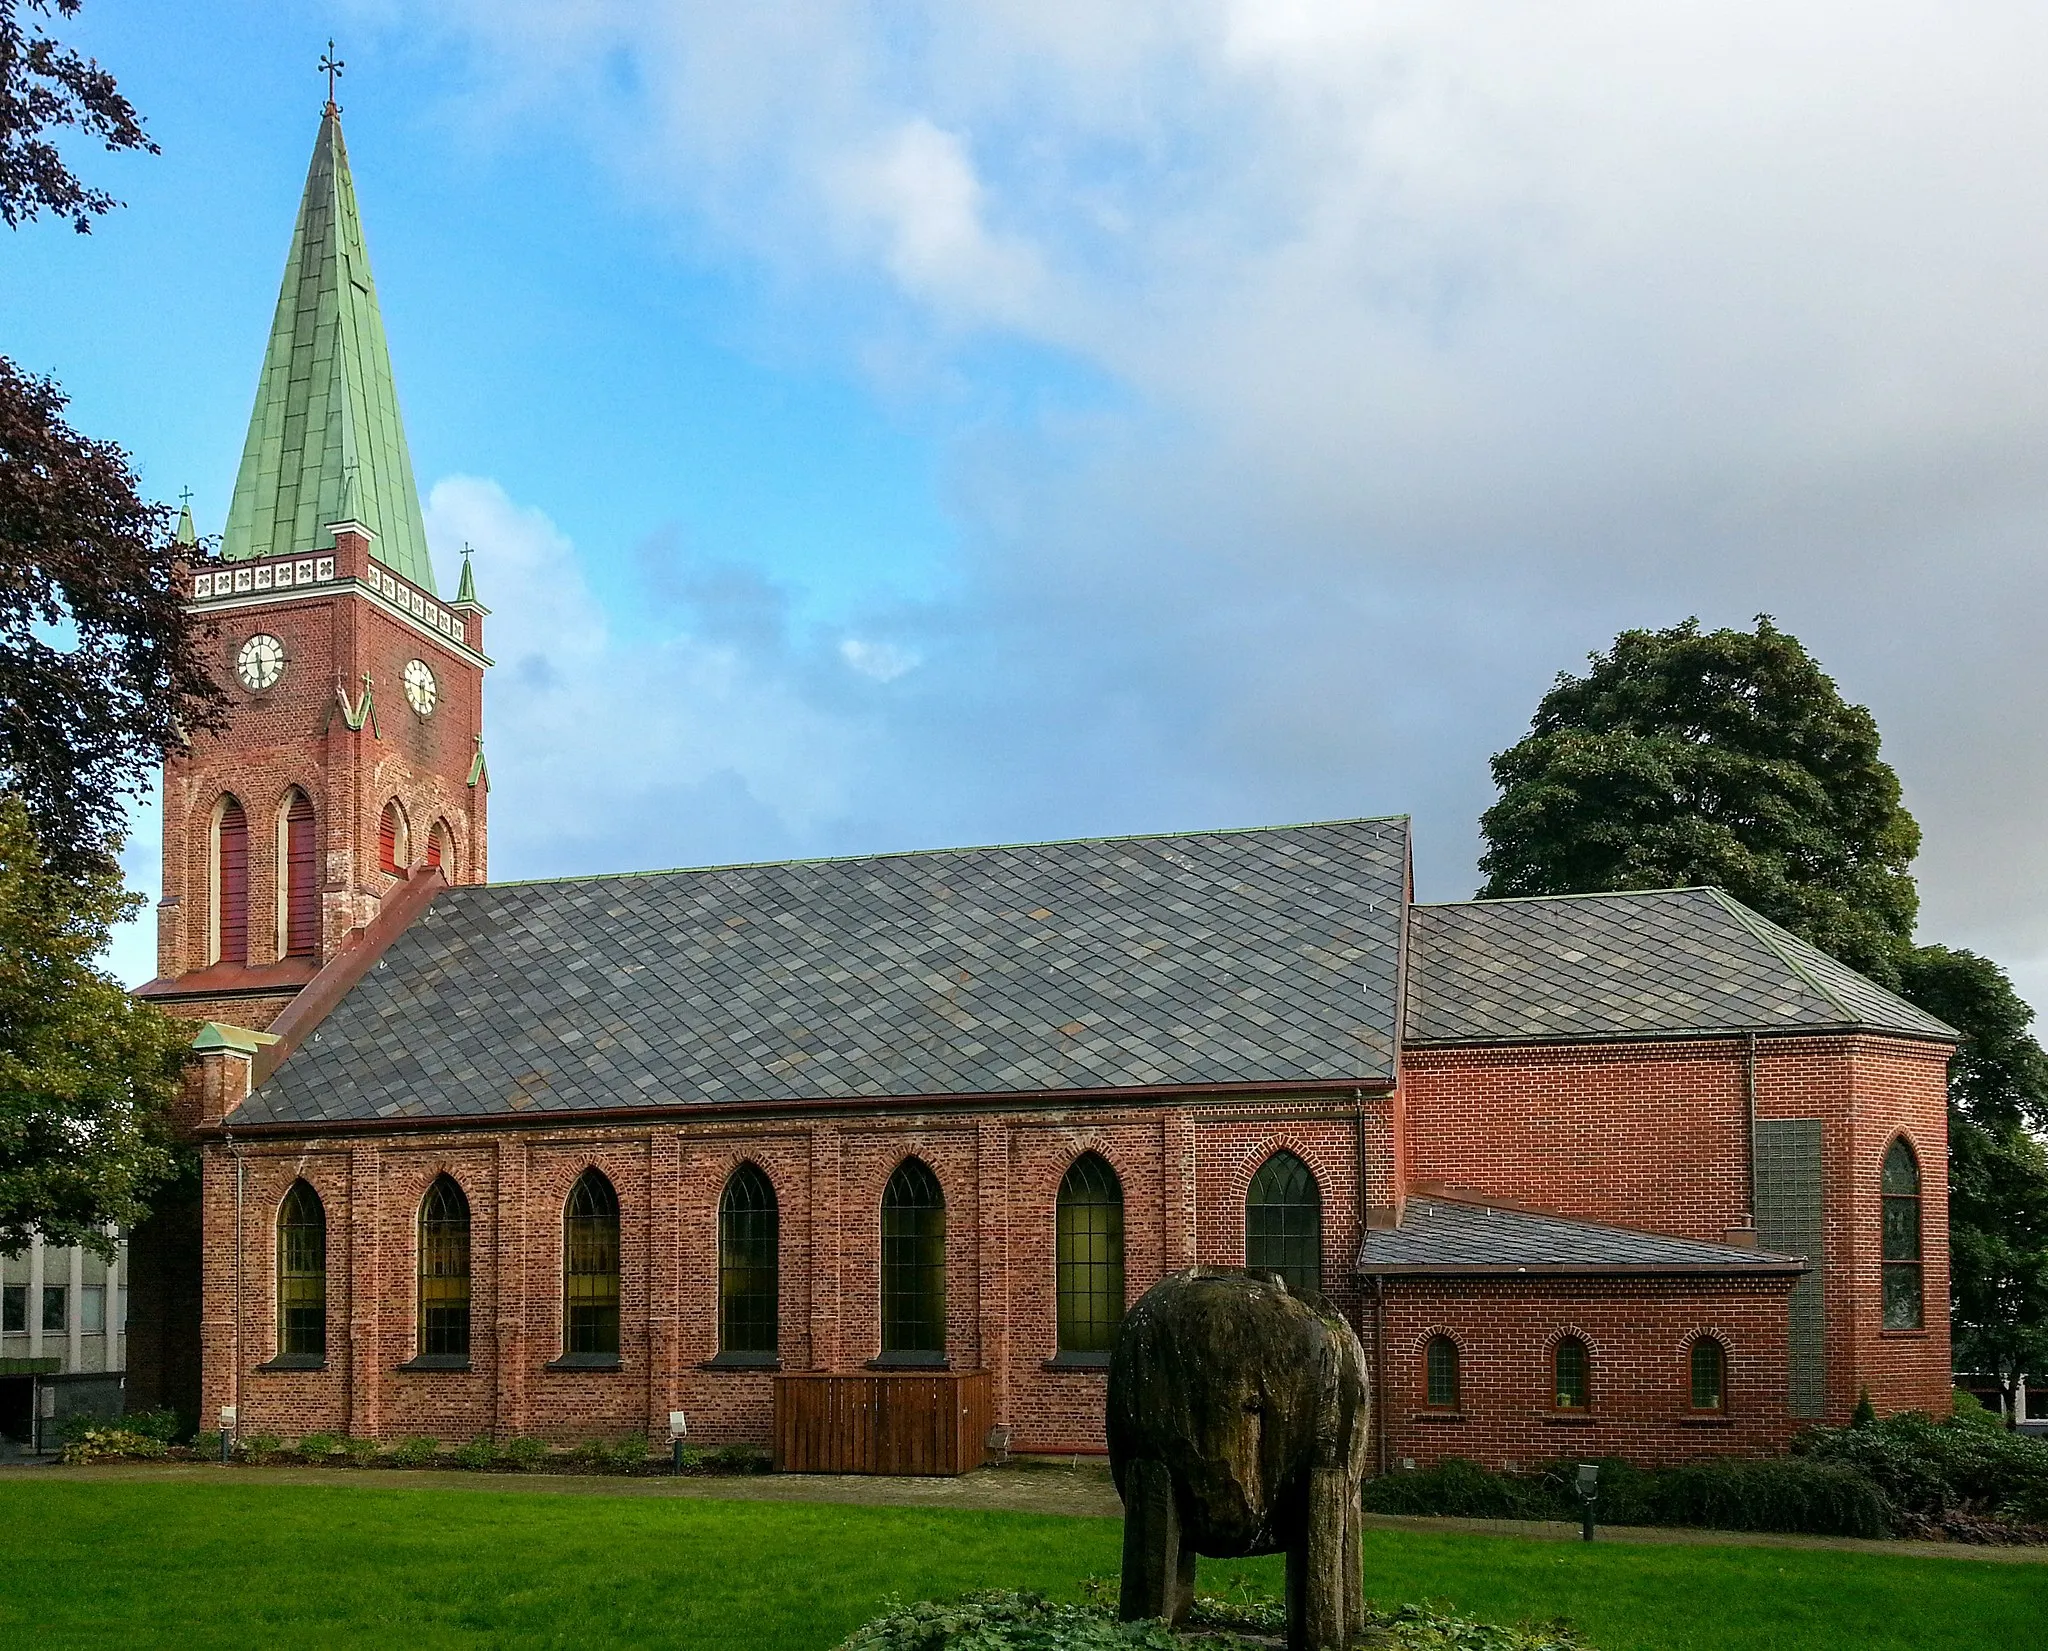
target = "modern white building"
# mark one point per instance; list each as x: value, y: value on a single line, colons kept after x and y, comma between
x: 63, y: 1341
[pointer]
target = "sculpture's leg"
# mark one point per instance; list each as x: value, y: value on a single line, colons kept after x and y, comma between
x: 1159, y: 1575
x: 1354, y: 1563
x: 1315, y: 1614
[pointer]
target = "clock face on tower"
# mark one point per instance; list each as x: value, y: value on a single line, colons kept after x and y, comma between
x: 260, y: 662
x: 419, y: 686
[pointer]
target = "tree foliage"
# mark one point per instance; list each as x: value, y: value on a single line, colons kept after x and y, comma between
x: 1725, y: 757
x: 101, y: 669
x: 87, y: 1073
x: 46, y: 87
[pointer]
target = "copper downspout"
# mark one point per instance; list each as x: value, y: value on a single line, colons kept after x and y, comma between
x: 1379, y: 1368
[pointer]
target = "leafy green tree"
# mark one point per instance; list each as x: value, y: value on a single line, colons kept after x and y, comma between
x: 1729, y: 757
x: 1724, y: 757
x: 87, y: 1073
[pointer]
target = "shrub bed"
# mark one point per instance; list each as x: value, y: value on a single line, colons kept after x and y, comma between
x: 1939, y: 1475
x: 116, y: 1442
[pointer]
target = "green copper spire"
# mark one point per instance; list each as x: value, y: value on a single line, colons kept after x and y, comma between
x: 325, y: 442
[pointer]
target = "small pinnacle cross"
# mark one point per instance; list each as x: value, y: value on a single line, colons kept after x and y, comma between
x: 331, y: 66
x: 185, y: 498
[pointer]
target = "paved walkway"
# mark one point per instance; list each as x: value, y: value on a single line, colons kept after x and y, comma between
x: 1072, y: 1489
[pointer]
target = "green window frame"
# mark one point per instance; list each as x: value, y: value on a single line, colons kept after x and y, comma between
x: 1440, y: 1374
x: 444, y: 1271
x: 302, y: 1274
x: 749, y: 1283
x: 1709, y: 1371
x: 1571, y: 1372
x: 1088, y: 1273
x: 914, y: 1264
x: 590, y: 1268
x: 1283, y: 1222
x: 1903, y: 1304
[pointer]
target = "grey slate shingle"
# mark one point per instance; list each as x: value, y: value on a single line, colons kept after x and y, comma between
x: 1443, y: 1236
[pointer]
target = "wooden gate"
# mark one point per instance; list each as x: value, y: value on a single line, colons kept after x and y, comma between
x: 882, y: 1422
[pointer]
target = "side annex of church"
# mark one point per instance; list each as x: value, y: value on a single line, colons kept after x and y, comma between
x: 1637, y: 1174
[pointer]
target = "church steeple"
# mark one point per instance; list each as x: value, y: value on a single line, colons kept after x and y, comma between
x: 325, y: 441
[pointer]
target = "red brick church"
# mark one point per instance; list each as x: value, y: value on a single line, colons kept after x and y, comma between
x: 1639, y: 1174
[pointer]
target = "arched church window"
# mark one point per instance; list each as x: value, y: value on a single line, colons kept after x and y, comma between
x: 394, y: 841
x: 441, y: 848
x: 1902, y: 1285
x: 590, y: 1269
x: 230, y: 882
x: 914, y: 1264
x: 444, y: 1271
x: 299, y: 888
x: 1089, y: 1256
x: 1571, y: 1369
x: 1440, y: 1373
x: 302, y: 1275
x: 1283, y: 1222
x: 1709, y: 1372
x: 749, y: 1234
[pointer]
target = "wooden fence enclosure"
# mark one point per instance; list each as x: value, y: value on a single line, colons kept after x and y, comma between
x: 882, y: 1422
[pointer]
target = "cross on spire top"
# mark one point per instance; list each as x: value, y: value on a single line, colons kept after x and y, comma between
x: 185, y: 498
x: 331, y: 66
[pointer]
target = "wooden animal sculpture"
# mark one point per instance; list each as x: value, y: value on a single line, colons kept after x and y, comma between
x: 1238, y: 1424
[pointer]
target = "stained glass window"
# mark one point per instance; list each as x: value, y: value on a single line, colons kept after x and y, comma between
x: 748, y: 1232
x: 1089, y: 1267
x: 1709, y: 1372
x: 913, y: 1261
x: 1572, y: 1369
x: 1283, y: 1222
x: 444, y: 1271
x: 1440, y: 1373
x: 302, y: 1274
x: 1902, y: 1301
x: 590, y: 1267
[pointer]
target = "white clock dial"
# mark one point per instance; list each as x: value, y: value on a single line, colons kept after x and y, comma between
x: 260, y: 662
x: 419, y: 686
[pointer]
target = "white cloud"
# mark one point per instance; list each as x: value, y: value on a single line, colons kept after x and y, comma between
x: 883, y: 661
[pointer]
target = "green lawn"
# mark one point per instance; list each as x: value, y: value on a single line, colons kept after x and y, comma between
x: 136, y: 1564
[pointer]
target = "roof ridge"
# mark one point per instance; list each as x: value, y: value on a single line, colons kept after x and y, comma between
x: 933, y: 853
x: 1751, y: 919
x: 1589, y: 894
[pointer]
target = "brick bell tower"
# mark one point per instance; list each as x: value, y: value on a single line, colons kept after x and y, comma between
x: 353, y: 756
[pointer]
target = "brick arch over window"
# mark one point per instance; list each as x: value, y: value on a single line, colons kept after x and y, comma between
x: 441, y: 848
x: 1442, y: 1362
x: 298, y: 881
x: 229, y: 924
x: 1283, y: 1221
x: 1571, y: 1369
x: 749, y: 1265
x: 1704, y: 1373
x: 394, y: 839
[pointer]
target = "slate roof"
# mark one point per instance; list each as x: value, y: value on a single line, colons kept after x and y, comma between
x: 1213, y: 958
x: 1444, y: 1236
x: 1659, y: 964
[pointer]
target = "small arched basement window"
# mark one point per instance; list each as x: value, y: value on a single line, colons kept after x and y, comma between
x: 302, y: 1276
x: 749, y: 1233
x: 1283, y: 1222
x: 230, y: 883
x: 1709, y: 1373
x: 1440, y: 1373
x: 1571, y: 1371
x: 1902, y: 1283
x: 444, y: 1271
x: 914, y: 1265
x: 590, y: 1269
x: 1088, y: 1269
x: 298, y: 889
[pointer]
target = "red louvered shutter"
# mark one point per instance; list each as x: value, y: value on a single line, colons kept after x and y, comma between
x: 387, y: 839
x: 434, y: 846
x: 234, y: 884
x: 302, y: 901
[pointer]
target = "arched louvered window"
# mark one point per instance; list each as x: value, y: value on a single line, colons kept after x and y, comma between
x: 441, y: 848
x: 231, y: 883
x: 1571, y: 1369
x: 1283, y: 1222
x: 749, y: 1235
x: 1089, y: 1256
x: 1440, y: 1373
x: 590, y: 1269
x: 394, y: 841
x: 914, y: 1264
x: 299, y: 890
x: 1902, y: 1287
x: 1708, y: 1369
x: 444, y: 1271
x: 301, y: 1276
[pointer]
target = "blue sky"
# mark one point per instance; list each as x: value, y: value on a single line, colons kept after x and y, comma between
x: 898, y: 425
